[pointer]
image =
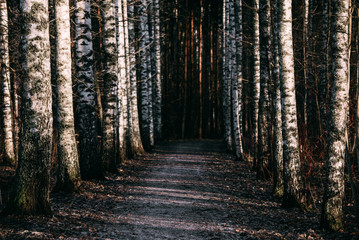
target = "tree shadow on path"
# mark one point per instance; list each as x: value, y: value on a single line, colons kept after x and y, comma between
x: 182, y: 190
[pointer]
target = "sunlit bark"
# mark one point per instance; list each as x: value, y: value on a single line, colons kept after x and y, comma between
x: 68, y: 178
x: 135, y: 142
x: 6, y: 102
x: 293, y: 182
x: 30, y: 192
x: 255, y: 81
x: 332, y: 214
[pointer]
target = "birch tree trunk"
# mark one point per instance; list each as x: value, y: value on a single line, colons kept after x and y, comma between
x: 135, y: 142
x: 110, y: 151
x: 30, y: 193
x: 68, y: 178
x: 332, y: 213
x: 278, y: 188
x: 236, y: 75
x: 90, y: 160
x: 157, y: 91
x: 7, y: 115
x: 293, y: 182
x: 264, y: 131
x: 123, y: 80
x: 226, y: 97
x: 145, y: 77
x: 255, y: 81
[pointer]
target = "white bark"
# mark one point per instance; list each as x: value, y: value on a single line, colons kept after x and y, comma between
x: 293, y: 183
x: 7, y: 115
x: 255, y: 80
x: 157, y: 91
x: 90, y: 160
x: 123, y: 77
x: 30, y: 194
x: 69, y: 171
x: 135, y: 142
x: 145, y: 77
x: 278, y: 188
x: 226, y: 94
x: 332, y: 215
x: 110, y: 149
x: 236, y: 77
x: 264, y: 129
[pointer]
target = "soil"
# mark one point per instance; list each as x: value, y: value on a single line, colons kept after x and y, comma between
x: 182, y: 190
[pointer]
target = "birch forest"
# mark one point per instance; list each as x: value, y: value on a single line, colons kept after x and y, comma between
x: 179, y: 119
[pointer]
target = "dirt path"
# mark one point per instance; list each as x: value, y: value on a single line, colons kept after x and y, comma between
x: 183, y: 190
x: 174, y: 198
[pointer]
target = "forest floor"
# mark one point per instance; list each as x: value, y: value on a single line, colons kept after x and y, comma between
x: 182, y: 190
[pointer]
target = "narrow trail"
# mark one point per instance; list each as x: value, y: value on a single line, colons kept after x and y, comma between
x: 195, y: 190
x: 175, y: 198
x: 182, y: 190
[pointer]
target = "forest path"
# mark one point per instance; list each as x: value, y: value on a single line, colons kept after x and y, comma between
x: 195, y: 190
x: 182, y: 190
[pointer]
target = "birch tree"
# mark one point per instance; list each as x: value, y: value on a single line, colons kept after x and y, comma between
x: 90, y: 160
x: 332, y: 212
x: 30, y: 192
x: 110, y: 110
x: 236, y: 75
x: 123, y: 80
x: 68, y: 178
x: 264, y: 130
x: 7, y: 116
x: 135, y: 142
x: 278, y: 188
x: 157, y: 91
x: 145, y: 77
x: 255, y: 80
x: 226, y: 94
x: 293, y: 182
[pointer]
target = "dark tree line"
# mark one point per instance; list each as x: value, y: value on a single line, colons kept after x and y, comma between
x: 86, y: 84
